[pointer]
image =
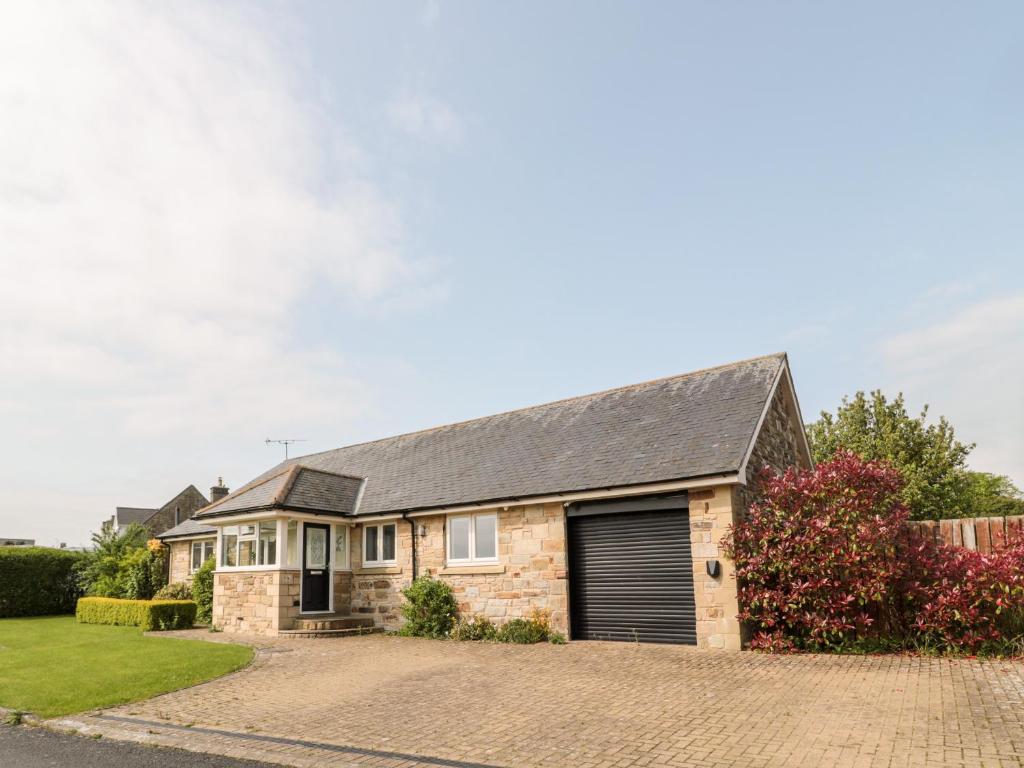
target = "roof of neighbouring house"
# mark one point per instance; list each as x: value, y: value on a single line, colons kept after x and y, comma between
x: 189, y: 529
x: 129, y: 515
x: 698, y: 424
x: 293, y: 487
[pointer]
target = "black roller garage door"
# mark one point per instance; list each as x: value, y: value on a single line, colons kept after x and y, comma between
x: 631, y: 576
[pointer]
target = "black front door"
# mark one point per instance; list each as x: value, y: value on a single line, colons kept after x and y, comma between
x: 316, y: 567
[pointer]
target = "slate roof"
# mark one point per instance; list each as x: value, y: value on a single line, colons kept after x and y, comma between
x: 692, y: 425
x: 295, y: 487
x: 191, y: 528
x: 129, y: 515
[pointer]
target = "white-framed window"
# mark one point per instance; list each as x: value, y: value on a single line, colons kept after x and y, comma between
x: 248, y: 544
x: 341, y: 547
x: 473, y: 538
x: 292, y: 537
x: 268, y: 543
x: 201, y: 552
x: 380, y: 544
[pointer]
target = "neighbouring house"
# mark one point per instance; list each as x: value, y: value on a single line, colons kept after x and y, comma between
x: 157, y: 520
x: 606, y: 510
x: 17, y: 542
x: 190, y: 543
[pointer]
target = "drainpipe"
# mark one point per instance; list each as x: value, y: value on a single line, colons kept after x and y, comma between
x: 412, y: 526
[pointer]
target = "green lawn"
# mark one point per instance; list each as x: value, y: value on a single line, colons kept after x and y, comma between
x: 54, y: 666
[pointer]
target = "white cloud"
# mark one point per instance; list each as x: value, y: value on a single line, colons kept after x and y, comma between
x: 169, y: 193
x: 426, y: 118
x: 970, y: 367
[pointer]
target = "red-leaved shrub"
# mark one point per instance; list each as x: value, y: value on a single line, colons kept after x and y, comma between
x: 816, y: 556
x: 825, y: 562
x: 960, y: 600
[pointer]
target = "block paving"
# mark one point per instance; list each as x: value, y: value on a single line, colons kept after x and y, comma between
x: 391, y: 702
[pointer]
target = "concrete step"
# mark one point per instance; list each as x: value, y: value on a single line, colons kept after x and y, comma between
x: 332, y: 622
x: 311, y: 633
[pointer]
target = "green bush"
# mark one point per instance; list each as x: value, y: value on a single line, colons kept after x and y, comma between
x: 177, y: 591
x: 148, y: 614
x: 535, y: 629
x: 477, y: 628
x: 429, y: 610
x: 522, y: 632
x: 202, y: 591
x: 36, y: 581
x: 123, y: 565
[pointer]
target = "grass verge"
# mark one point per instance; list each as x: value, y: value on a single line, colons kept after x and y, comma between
x: 53, y: 666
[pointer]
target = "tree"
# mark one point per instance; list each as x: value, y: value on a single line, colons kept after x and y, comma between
x: 105, y: 571
x: 937, y: 483
x: 993, y: 495
x: 930, y: 458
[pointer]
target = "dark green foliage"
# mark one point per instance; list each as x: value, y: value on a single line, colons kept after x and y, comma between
x: 36, y: 581
x: 148, y: 614
x: 177, y: 591
x: 993, y: 495
x: 121, y: 565
x: 429, y: 609
x: 202, y: 591
x: 477, y: 628
x: 929, y: 457
x: 522, y: 632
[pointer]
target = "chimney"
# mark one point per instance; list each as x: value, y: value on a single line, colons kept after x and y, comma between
x: 219, y: 491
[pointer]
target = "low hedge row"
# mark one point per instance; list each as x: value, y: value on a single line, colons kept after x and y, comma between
x: 148, y: 614
x: 38, y: 581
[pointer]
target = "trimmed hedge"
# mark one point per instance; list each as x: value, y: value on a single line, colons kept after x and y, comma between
x: 38, y: 581
x: 148, y: 614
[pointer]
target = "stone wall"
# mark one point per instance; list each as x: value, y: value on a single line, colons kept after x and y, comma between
x: 343, y: 592
x: 531, y: 547
x: 177, y: 510
x: 711, y: 514
x: 259, y: 602
x: 180, y: 561
x: 777, y: 445
x: 377, y: 592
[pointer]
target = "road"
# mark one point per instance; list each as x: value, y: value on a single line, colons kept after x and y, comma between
x: 28, y: 747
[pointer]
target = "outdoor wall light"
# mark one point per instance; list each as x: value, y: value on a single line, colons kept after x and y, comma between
x: 714, y: 568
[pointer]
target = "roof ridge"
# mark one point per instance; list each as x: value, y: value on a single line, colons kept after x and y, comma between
x: 254, y: 483
x: 307, y: 468
x: 623, y: 388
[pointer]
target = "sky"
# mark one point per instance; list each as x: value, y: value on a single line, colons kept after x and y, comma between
x: 227, y: 222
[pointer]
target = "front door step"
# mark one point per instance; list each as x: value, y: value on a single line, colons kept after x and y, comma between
x: 306, y: 633
x: 336, y: 625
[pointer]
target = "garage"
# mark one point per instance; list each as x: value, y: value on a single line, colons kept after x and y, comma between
x: 631, y: 572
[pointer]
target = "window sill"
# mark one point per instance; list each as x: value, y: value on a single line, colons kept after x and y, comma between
x: 470, y: 569
x: 375, y: 570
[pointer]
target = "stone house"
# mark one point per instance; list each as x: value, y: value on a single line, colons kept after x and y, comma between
x: 605, y: 510
x: 190, y: 543
x: 157, y: 520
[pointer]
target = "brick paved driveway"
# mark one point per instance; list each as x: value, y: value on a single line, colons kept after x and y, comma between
x: 390, y: 702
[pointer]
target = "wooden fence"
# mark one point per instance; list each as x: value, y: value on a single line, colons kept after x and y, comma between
x: 979, y: 533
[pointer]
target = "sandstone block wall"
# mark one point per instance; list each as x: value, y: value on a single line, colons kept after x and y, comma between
x: 711, y: 513
x: 531, y: 573
x: 180, y: 560
x: 259, y: 602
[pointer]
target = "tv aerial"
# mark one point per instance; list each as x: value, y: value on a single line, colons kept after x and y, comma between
x: 285, y: 442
